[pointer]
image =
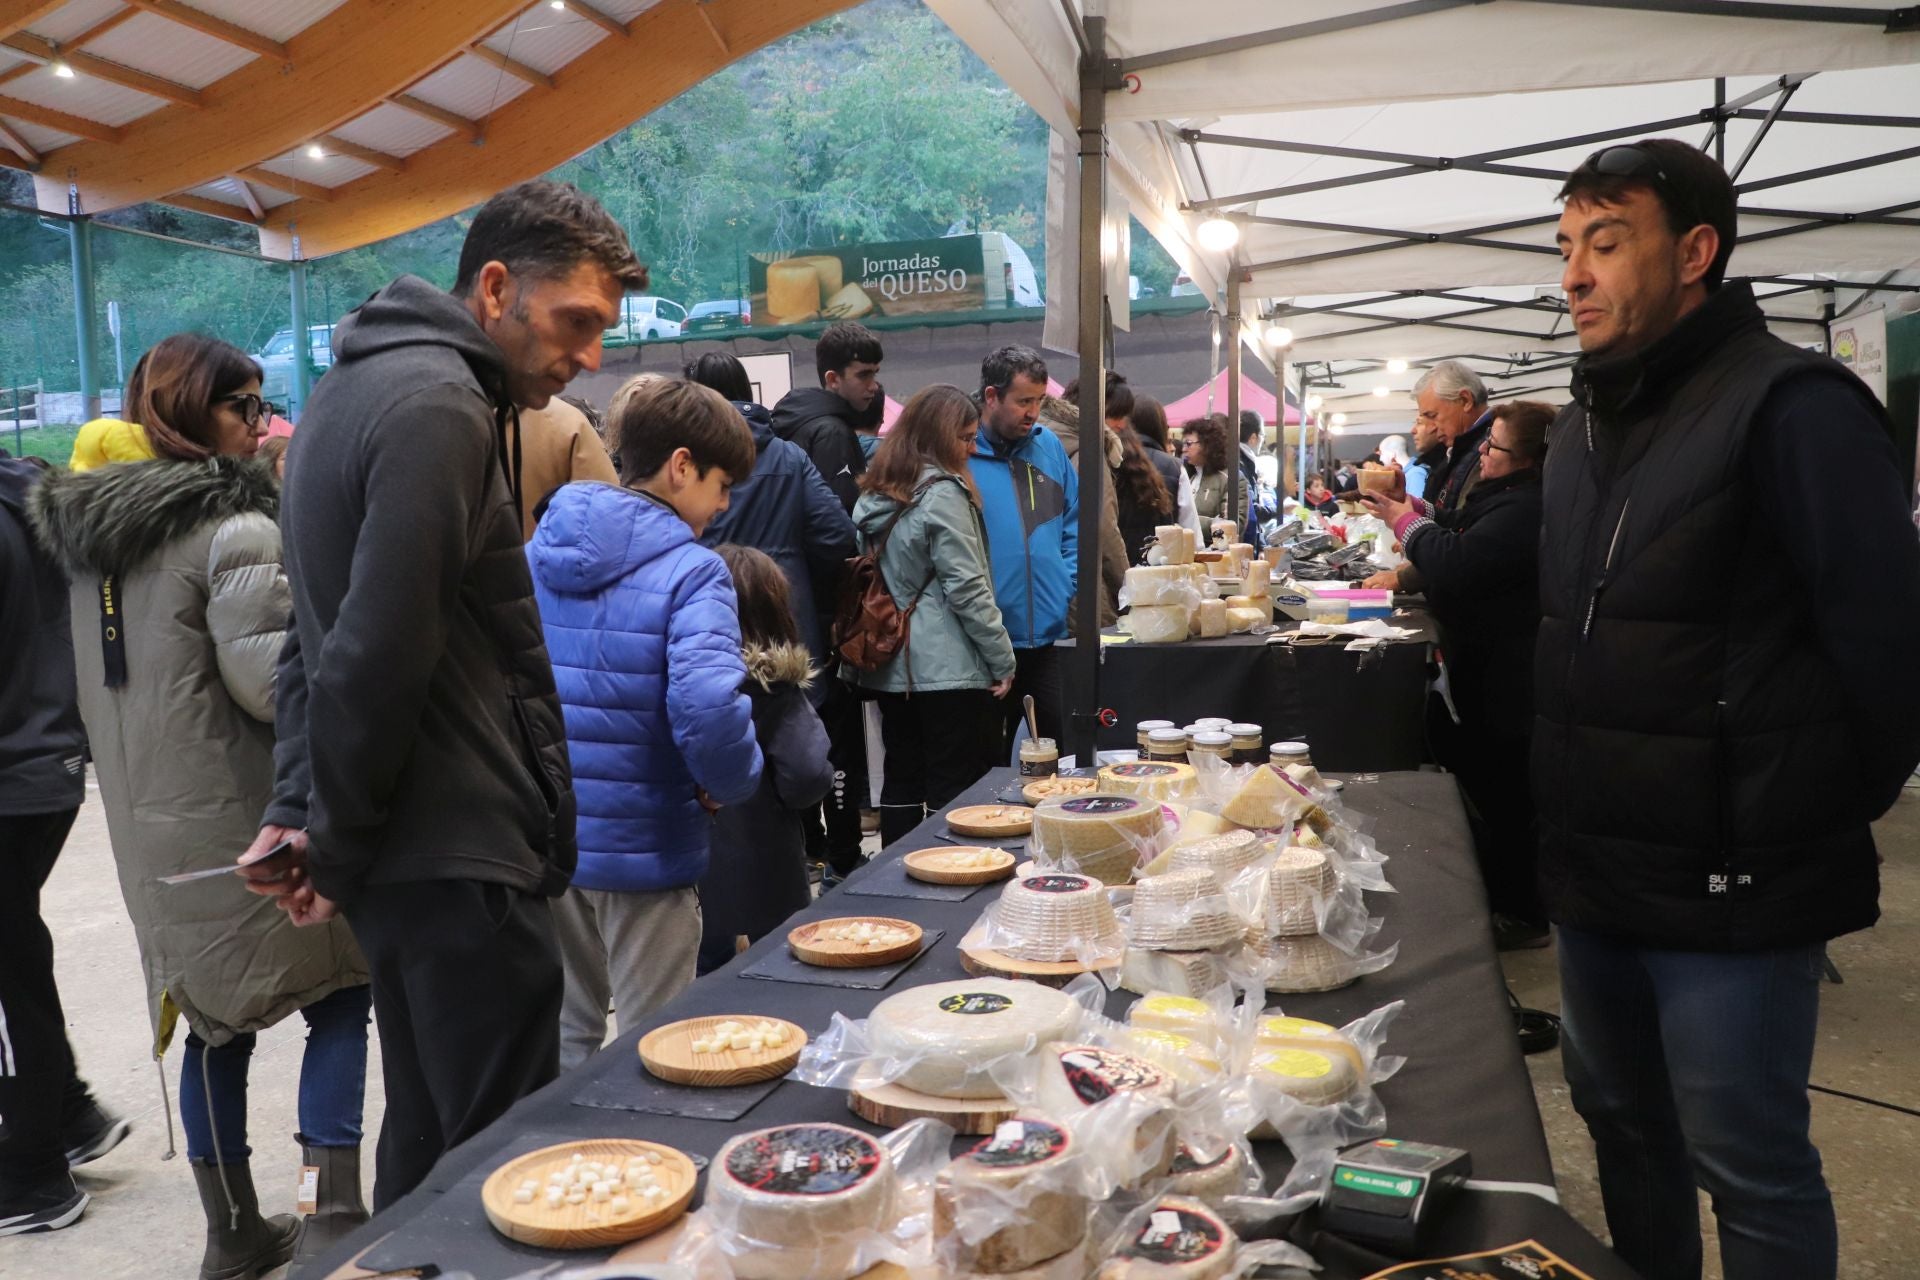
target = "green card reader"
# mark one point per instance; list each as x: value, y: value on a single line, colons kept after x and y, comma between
x: 1386, y: 1192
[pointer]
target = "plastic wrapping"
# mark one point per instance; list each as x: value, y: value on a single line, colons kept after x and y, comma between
x: 1013, y: 1201
x: 1172, y: 584
x: 1158, y: 624
x: 1309, y: 1091
x: 1296, y: 964
x: 1051, y: 918
x: 1101, y: 835
x: 1125, y: 1111
x: 1184, y: 910
x: 1178, y: 1236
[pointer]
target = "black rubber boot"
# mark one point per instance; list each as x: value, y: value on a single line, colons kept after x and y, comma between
x: 240, y: 1243
x: 338, y: 1208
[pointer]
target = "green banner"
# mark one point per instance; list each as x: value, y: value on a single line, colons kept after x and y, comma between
x: 857, y: 282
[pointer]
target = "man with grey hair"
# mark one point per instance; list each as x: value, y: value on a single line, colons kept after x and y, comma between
x: 1452, y: 411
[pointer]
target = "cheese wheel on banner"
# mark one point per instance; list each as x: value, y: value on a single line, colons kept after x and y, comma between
x: 797, y: 1200
x: 1155, y: 779
x: 1020, y: 1173
x: 951, y: 1031
x: 793, y: 289
x: 1210, y: 1181
x: 1267, y: 799
x: 1101, y: 835
x: 1156, y: 624
x: 1184, y: 973
x: 1212, y: 616
x: 1276, y: 1031
x: 831, y: 271
x: 1181, y: 1237
x: 1055, y: 917
x: 1075, y: 1078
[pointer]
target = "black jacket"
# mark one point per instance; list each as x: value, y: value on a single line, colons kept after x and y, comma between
x: 1449, y: 482
x: 821, y: 423
x: 42, y: 742
x: 1724, y: 690
x: 1481, y: 566
x: 420, y: 737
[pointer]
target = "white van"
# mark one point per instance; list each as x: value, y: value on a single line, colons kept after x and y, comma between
x: 643, y: 317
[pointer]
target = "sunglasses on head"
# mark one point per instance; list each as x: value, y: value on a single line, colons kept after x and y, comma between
x: 1626, y: 161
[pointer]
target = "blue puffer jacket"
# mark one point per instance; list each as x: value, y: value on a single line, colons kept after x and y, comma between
x: 644, y: 635
x: 1031, y: 500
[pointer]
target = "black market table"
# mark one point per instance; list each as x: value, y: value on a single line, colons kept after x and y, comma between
x: 1361, y: 710
x: 1464, y: 1083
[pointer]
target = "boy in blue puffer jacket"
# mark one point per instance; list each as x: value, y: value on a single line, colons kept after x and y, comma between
x: 644, y: 634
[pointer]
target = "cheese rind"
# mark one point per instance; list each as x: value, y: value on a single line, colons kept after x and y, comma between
x: 1016, y: 1176
x: 1074, y: 1078
x: 799, y: 1199
x: 1156, y: 624
x: 1054, y: 918
x: 1186, y: 973
x: 949, y: 1032
x: 1179, y: 1237
x: 1225, y: 1175
x: 1266, y: 799
x: 1156, y: 779
x: 1101, y: 835
x: 1279, y: 1032
x: 1184, y: 1015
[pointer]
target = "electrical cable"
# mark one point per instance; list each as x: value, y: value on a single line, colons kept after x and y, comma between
x: 1539, y: 1030
x: 1855, y: 1097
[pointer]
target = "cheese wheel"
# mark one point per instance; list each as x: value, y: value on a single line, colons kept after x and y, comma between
x: 950, y: 1031
x: 1300, y: 880
x: 1155, y: 779
x: 1267, y: 799
x: 797, y: 1200
x: 1180, y: 1237
x: 1209, y: 1181
x: 1184, y: 1015
x: 831, y: 271
x: 1181, y: 910
x: 1311, y: 1076
x: 1297, y: 964
x: 1054, y: 917
x: 1240, y: 621
x: 1280, y: 1032
x: 1075, y: 1078
x: 1169, y: 584
x: 1222, y: 566
x: 1019, y: 1170
x: 1185, y: 973
x: 1255, y: 579
x: 1212, y: 616
x: 1156, y: 624
x: 1225, y: 854
x: 793, y: 290
x: 1101, y: 835
x: 1187, y: 1059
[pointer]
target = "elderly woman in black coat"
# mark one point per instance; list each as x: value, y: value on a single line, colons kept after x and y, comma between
x: 1481, y: 568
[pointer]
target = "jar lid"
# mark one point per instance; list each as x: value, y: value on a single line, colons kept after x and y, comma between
x: 1167, y: 735
x: 1148, y: 726
x: 1213, y: 722
x: 1038, y: 744
x: 1244, y: 730
x: 1212, y: 738
x: 1290, y: 748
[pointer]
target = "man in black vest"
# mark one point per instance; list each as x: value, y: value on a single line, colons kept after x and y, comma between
x: 1730, y: 584
x: 1451, y: 421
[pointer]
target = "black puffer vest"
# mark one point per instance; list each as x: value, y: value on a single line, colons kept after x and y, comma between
x: 1697, y: 784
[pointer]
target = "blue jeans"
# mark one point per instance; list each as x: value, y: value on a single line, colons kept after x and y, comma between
x: 1691, y: 1067
x: 333, y: 1082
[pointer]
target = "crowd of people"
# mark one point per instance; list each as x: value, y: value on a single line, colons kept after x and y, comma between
x: 495, y: 704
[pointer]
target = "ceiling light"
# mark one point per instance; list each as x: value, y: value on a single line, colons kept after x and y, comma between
x: 1334, y: 431
x: 559, y: 4
x: 1279, y: 336
x: 1314, y: 402
x: 60, y: 67
x: 1339, y: 419
x: 1396, y: 366
x: 1381, y: 392
x: 1217, y: 235
x: 316, y: 152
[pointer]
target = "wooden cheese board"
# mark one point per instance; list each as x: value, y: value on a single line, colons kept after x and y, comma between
x: 810, y: 945
x: 991, y: 821
x: 984, y: 962
x: 592, y: 1223
x: 668, y: 1052
x: 1058, y: 785
x: 893, y: 1105
x: 936, y: 866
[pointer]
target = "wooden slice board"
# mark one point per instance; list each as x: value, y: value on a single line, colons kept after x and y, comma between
x: 1059, y: 785
x: 983, y: 962
x: 668, y: 1053
x: 935, y: 865
x: 893, y: 1105
x: 591, y: 1225
x: 809, y: 947
x: 991, y: 821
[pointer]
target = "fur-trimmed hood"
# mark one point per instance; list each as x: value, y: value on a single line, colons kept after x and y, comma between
x: 106, y: 521
x: 783, y: 663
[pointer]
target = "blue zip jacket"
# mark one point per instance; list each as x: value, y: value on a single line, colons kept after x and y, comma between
x: 1031, y: 500
x: 644, y: 634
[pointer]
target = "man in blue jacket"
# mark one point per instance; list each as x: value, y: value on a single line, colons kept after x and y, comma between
x: 1031, y: 500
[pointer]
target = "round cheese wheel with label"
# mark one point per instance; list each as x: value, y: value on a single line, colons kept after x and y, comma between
x: 1276, y: 1031
x: 1017, y: 1186
x: 1309, y: 1075
x: 1102, y: 835
x: 1183, y: 1015
x: 1180, y: 1237
x: 1209, y: 1180
x: 1074, y: 1078
x: 948, y: 1032
x: 799, y: 1199
x: 1155, y: 779
x: 1055, y: 917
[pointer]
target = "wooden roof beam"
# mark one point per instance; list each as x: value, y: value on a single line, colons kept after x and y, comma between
x: 48, y: 118
x: 366, y: 155
x: 212, y: 208
x: 612, y: 26
x: 519, y: 70
x: 19, y: 146
x: 468, y: 129
x: 45, y: 51
x: 18, y: 15
x: 103, y: 26
x: 219, y: 28
x: 281, y: 182
x: 253, y: 201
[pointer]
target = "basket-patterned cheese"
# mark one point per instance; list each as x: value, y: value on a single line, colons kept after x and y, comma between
x: 797, y: 1200
x: 1181, y: 1238
x: 1181, y: 910
x: 1186, y: 973
x: 1054, y: 917
x: 1301, y: 880
x: 1267, y: 799
x: 1277, y: 1031
x: 1308, y: 963
x: 1226, y: 854
x: 1155, y: 779
x: 1156, y: 624
x: 949, y: 1032
x: 1101, y: 835
x: 1020, y: 1170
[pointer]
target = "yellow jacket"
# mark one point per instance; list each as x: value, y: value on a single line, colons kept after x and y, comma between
x: 107, y: 440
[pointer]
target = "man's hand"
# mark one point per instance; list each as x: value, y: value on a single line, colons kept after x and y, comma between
x: 1385, y: 580
x: 304, y: 906
x: 1001, y: 688
x: 1389, y: 508
x: 276, y: 877
x: 706, y: 801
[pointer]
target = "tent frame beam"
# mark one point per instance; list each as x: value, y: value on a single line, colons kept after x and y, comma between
x: 1282, y: 35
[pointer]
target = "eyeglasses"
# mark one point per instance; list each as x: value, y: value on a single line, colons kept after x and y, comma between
x: 253, y: 409
x: 1498, y: 448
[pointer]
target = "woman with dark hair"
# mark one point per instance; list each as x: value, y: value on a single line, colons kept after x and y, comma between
x: 722, y: 371
x: 920, y: 512
x: 1481, y: 568
x: 1149, y: 421
x: 180, y: 605
x: 1142, y: 495
x: 757, y: 872
x: 1210, y: 449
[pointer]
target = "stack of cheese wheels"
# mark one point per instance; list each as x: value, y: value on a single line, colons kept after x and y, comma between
x: 1226, y: 854
x: 1101, y: 835
x: 1298, y: 964
x: 799, y: 1200
x: 1017, y: 1185
x: 1277, y: 1031
x: 1181, y: 911
x: 949, y: 1033
x: 1188, y: 1060
x: 1173, y: 544
x: 1156, y: 624
x: 1154, y: 779
x: 1268, y: 799
x: 1075, y: 1078
x: 1311, y: 1076
x: 1055, y: 917
x: 1299, y: 883
x: 1178, y: 1236
x: 1209, y: 1180
x: 793, y: 289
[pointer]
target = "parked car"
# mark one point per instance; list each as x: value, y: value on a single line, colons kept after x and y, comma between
x: 276, y: 360
x: 643, y: 317
x: 710, y: 317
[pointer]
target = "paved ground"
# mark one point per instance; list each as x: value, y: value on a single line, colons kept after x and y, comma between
x: 145, y: 1222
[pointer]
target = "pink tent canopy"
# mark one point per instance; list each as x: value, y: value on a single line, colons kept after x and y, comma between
x: 1252, y: 396
x: 279, y: 426
x: 890, y: 415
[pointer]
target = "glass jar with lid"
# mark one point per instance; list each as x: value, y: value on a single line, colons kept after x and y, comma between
x: 1248, y: 746
x: 1169, y: 745
x: 1146, y: 727
x: 1282, y: 754
x: 1039, y: 757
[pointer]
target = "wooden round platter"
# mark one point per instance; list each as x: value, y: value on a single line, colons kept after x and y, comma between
x: 1059, y: 785
x: 893, y: 1105
x: 809, y: 946
x: 983, y: 962
x: 593, y: 1224
x: 935, y: 866
x: 991, y: 821
x: 668, y: 1053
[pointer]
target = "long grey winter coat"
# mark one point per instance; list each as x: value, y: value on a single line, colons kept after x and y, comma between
x: 184, y: 748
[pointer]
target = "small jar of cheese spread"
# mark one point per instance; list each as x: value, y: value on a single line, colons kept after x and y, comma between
x: 1283, y: 754
x: 1168, y: 745
x: 1212, y: 742
x: 1039, y: 757
x: 1247, y: 745
x: 1146, y: 727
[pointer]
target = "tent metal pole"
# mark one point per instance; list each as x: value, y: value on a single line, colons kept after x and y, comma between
x: 1233, y: 397
x: 86, y: 339
x: 1082, y: 722
x: 1300, y: 473
x: 1720, y: 121
x: 1760, y: 135
x: 302, y: 384
x: 1280, y: 35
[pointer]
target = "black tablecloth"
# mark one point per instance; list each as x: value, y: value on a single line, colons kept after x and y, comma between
x: 1464, y: 1084
x: 1360, y: 711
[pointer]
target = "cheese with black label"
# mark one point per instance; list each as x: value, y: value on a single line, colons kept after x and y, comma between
x: 1054, y: 917
x: 1075, y: 1078
x: 1017, y: 1183
x: 798, y: 1200
x: 948, y: 1032
x: 1180, y: 1238
x: 1101, y: 835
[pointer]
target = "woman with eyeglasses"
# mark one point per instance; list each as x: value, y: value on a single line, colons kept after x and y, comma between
x: 1209, y: 450
x: 1481, y: 568
x: 180, y: 607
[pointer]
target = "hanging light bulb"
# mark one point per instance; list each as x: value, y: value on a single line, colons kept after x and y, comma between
x: 1278, y: 336
x: 1314, y: 402
x: 316, y: 152
x: 1339, y: 419
x: 1217, y: 235
x: 60, y: 67
x: 1381, y: 392
x: 559, y: 4
x: 1396, y: 366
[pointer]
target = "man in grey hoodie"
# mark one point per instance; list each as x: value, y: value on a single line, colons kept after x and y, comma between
x: 420, y: 739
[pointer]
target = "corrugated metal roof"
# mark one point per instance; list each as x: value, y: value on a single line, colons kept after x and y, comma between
x: 329, y: 171
x: 166, y: 49
x: 70, y: 20
x: 469, y: 87
x: 278, y: 20
x: 39, y: 137
x: 546, y: 39
x: 394, y: 130
x: 83, y: 96
x: 624, y: 10
x: 227, y: 191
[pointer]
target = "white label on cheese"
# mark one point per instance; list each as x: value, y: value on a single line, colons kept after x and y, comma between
x: 1011, y: 1133
x: 1162, y: 1224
